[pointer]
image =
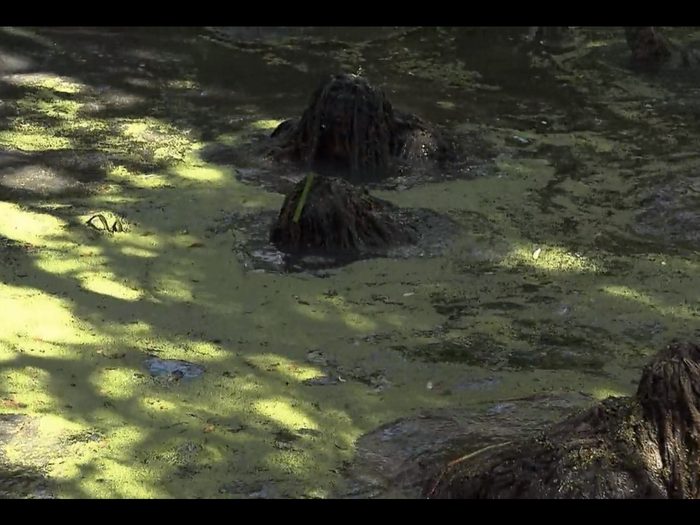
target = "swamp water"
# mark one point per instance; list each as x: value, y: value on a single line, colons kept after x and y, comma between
x: 574, y: 261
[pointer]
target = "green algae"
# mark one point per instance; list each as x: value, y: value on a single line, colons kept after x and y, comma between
x: 548, y: 289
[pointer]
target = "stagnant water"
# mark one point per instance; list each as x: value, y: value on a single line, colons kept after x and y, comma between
x: 571, y: 258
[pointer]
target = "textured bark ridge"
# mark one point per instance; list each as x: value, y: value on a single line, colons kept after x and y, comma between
x: 351, y: 127
x: 646, y: 44
x: 338, y: 217
x: 642, y: 447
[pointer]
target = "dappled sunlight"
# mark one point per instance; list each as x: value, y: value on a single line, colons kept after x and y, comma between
x: 294, y: 370
x: 182, y: 84
x: 347, y: 309
x: 94, y: 304
x: 58, y: 264
x: 125, y: 483
x: 171, y: 288
x: 137, y: 331
x: 65, y: 109
x: 109, y: 198
x: 31, y: 385
x: 282, y: 411
x: 27, y: 138
x: 115, y: 384
x: 242, y: 135
x: 48, y: 82
x: 446, y: 104
x: 120, y: 97
x: 687, y: 309
x: 352, y: 319
x: 27, y: 226
x: 359, y: 322
x: 629, y: 293
x: 154, y: 132
x: 234, y: 138
x: 537, y: 293
x: 603, y: 393
x: 199, y: 173
x: 311, y: 313
x: 147, y: 245
x: 35, y: 314
x: 153, y: 181
x: 550, y: 259
x: 139, y: 251
x: 106, y: 285
x: 263, y: 125
x: 28, y: 34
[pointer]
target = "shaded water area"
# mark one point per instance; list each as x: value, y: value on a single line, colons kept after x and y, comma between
x: 566, y: 255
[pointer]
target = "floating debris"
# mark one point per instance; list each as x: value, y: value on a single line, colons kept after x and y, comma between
x: 174, y: 368
x: 335, y: 374
x: 320, y: 381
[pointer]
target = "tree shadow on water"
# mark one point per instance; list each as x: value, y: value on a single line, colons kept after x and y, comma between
x: 82, y: 102
x: 295, y: 367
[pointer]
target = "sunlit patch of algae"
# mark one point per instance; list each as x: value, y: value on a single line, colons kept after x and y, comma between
x: 541, y: 258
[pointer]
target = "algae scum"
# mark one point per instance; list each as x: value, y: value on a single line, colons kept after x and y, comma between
x: 151, y: 359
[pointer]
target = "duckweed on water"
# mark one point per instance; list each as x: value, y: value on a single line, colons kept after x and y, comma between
x: 82, y: 309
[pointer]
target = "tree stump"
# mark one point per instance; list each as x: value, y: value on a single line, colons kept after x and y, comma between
x: 338, y: 217
x: 646, y: 44
x: 642, y: 447
x: 541, y: 33
x: 350, y: 126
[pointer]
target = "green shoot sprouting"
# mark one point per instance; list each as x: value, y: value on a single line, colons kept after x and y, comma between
x: 302, y: 199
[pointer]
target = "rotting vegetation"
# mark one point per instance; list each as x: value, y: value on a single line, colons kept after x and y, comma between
x: 548, y: 244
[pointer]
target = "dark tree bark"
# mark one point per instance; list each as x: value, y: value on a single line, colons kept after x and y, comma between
x: 540, y: 33
x: 642, y: 447
x: 646, y: 44
x: 337, y: 217
x: 350, y: 126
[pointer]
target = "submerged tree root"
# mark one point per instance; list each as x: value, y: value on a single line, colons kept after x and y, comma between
x: 350, y: 125
x: 338, y: 217
x: 641, y: 447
